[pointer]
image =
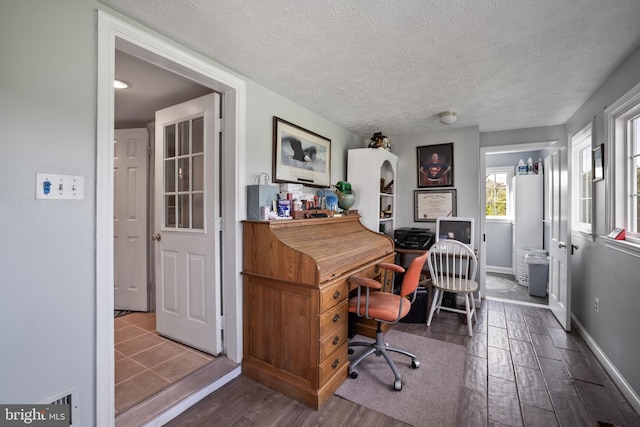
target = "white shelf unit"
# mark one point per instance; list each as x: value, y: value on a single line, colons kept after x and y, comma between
x: 366, y: 167
x: 527, y: 221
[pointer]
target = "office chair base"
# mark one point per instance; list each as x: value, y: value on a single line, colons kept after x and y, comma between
x: 380, y: 348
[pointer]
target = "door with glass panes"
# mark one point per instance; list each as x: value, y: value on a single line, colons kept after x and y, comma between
x: 186, y: 225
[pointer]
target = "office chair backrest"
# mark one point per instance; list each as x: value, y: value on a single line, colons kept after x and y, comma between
x: 412, y: 275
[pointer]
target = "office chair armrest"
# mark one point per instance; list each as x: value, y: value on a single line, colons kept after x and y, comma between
x: 393, y: 267
x: 365, y: 281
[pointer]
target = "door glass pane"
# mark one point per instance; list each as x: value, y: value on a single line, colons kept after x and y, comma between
x: 169, y: 175
x: 169, y: 141
x: 183, y: 174
x: 197, y: 135
x: 183, y: 138
x: 184, y: 213
x: 170, y: 211
x: 197, y: 177
x: 198, y: 211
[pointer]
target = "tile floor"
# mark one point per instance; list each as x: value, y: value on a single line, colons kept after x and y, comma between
x: 146, y: 362
x: 506, y: 287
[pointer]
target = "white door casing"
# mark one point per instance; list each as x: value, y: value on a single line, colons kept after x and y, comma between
x: 130, y: 177
x: 556, y: 166
x: 187, y: 206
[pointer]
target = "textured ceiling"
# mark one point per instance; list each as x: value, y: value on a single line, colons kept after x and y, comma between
x: 371, y: 65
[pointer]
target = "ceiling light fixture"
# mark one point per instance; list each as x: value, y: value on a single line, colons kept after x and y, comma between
x: 448, y: 117
x: 121, y: 84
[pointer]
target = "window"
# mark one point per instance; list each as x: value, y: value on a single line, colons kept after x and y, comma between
x: 622, y: 121
x: 581, y: 177
x: 497, y: 188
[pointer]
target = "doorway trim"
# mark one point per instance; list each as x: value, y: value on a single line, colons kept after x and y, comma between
x: 494, y: 149
x: 114, y: 33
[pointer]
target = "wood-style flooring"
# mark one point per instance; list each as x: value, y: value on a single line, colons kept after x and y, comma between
x: 522, y: 369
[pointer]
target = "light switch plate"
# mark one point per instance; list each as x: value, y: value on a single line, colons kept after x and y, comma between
x: 51, y: 186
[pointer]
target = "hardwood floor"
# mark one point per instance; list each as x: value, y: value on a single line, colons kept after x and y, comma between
x: 522, y: 369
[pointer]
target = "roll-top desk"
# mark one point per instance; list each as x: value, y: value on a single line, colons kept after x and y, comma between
x: 295, y: 300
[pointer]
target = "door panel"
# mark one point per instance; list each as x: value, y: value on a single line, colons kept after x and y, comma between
x: 556, y: 165
x: 187, y: 200
x: 130, y: 219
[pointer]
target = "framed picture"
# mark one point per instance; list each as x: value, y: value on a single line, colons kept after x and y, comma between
x: 431, y: 204
x: 435, y: 165
x: 597, y: 163
x: 300, y: 156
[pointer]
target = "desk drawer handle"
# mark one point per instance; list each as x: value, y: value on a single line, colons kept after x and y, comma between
x: 336, y: 317
x: 336, y: 295
x: 335, y: 363
x: 336, y: 340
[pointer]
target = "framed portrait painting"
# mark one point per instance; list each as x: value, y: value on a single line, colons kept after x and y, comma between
x: 435, y: 165
x: 300, y: 156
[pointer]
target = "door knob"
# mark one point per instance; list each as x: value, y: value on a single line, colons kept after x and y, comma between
x: 562, y: 245
x: 157, y: 237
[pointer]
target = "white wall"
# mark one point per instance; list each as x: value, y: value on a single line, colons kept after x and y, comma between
x: 466, y: 169
x: 262, y: 105
x: 598, y: 270
x: 47, y: 310
x: 47, y: 124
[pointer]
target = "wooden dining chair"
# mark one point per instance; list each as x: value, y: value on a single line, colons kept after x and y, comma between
x: 453, y: 267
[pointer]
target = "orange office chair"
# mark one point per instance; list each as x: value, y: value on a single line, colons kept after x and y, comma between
x: 386, y: 307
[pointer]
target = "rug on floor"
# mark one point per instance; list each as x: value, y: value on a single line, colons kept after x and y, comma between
x: 118, y: 313
x: 429, y: 395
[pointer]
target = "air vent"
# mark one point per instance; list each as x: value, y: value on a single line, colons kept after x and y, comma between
x: 70, y: 397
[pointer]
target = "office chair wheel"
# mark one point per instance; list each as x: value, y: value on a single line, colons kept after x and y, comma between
x: 415, y: 364
x: 351, y: 351
x: 353, y: 374
x: 397, y: 385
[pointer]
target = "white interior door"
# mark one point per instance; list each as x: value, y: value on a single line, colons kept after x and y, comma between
x: 556, y: 166
x: 187, y: 207
x: 131, y: 160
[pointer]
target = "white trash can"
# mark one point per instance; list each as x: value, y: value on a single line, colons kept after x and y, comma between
x: 538, y: 265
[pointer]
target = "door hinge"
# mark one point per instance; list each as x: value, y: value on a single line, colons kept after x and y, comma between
x: 149, y: 151
x: 220, y: 124
x: 222, y: 322
x: 218, y: 224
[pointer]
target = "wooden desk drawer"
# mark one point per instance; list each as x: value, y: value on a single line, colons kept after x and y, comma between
x: 333, y: 341
x: 334, y: 294
x: 336, y: 319
x: 333, y: 364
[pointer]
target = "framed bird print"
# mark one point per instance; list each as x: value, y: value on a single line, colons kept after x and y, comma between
x: 300, y: 156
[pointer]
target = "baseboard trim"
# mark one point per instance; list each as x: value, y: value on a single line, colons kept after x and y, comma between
x: 501, y: 270
x: 627, y: 391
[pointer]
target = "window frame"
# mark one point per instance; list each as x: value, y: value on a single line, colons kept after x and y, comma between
x: 581, y: 140
x: 509, y: 172
x: 617, y: 132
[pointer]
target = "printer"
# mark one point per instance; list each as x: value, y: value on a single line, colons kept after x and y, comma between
x: 413, y: 238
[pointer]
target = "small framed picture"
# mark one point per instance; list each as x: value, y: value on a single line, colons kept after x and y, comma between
x: 597, y: 163
x: 435, y: 165
x: 431, y: 204
x: 300, y: 156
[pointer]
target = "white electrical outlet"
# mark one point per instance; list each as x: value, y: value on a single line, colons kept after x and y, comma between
x: 596, y: 305
x: 56, y: 186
